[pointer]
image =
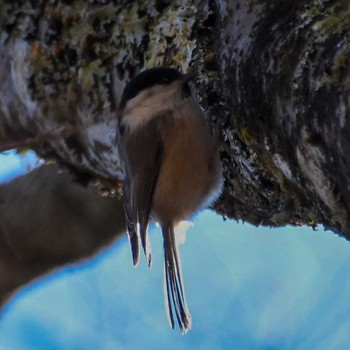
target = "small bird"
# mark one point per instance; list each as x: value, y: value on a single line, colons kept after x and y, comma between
x: 171, y: 165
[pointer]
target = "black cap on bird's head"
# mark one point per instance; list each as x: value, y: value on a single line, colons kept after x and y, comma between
x: 149, y: 78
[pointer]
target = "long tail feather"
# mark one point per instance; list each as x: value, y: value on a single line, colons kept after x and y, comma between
x: 134, y: 244
x: 174, y: 292
x: 132, y: 234
x: 146, y: 245
x: 142, y: 209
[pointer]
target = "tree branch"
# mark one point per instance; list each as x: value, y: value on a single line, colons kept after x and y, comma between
x: 49, y: 221
x: 273, y: 79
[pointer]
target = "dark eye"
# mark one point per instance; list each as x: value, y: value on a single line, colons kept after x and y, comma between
x: 186, y: 90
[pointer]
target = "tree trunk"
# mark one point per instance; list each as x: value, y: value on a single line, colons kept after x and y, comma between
x: 285, y: 75
x: 273, y: 78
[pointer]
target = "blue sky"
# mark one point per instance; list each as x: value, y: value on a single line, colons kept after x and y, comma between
x: 13, y: 164
x: 247, y: 288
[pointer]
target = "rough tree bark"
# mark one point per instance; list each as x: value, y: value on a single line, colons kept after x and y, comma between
x: 273, y: 78
x: 285, y: 74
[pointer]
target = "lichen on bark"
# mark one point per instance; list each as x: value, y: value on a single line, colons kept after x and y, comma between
x: 273, y: 78
x: 290, y: 77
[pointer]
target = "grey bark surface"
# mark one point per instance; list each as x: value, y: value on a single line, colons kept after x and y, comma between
x: 286, y: 83
x: 273, y: 78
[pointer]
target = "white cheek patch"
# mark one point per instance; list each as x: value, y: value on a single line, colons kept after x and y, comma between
x: 148, y: 105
